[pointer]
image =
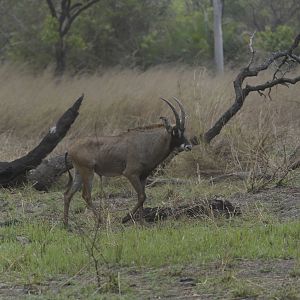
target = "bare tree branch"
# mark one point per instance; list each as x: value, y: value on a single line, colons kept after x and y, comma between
x: 295, y: 58
x: 77, y: 13
x: 14, y: 172
x: 270, y: 84
x: 251, y: 49
x: 74, y: 6
x: 283, y: 57
x: 52, y: 8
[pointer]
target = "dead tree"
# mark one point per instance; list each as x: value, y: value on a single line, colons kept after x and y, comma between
x: 47, y: 173
x: 65, y: 16
x: 284, y: 62
x: 14, y: 173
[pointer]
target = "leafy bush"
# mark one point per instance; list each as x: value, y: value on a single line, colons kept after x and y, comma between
x: 274, y: 40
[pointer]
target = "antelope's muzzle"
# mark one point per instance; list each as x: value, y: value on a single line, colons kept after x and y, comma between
x: 188, y: 147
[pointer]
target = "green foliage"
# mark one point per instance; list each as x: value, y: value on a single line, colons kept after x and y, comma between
x: 76, y: 42
x: 52, y: 250
x: 260, y: 14
x: 185, y: 38
x: 248, y: 256
x: 143, y: 33
x: 279, y: 39
x: 233, y: 42
x: 49, y: 33
x: 25, y: 24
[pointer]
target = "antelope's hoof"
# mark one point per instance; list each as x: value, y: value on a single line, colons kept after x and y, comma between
x: 127, y: 218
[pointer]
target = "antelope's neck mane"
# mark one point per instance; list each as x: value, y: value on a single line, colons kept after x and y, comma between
x: 147, y: 127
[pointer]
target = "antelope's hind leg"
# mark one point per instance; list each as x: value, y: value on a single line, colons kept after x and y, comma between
x: 87, y: 185
x: 74, y: 187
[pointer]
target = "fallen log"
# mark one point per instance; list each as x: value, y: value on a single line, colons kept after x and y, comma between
x: 48, y: 172
x: 210, y: 208
x: 15, y: 172
x: 152, y: 181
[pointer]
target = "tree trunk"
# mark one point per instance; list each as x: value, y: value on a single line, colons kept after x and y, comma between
x: 14, y: 173
x: 65, y: 16
x: 218, y: 36
x: 60, y: 56
x: 48, y: 172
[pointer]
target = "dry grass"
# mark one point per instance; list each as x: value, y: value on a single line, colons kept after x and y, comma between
x: 119, y: 99
x: 264, y: 132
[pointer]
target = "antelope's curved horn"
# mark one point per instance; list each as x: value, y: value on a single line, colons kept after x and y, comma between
x: 174, y: 111
x: 183, y: 114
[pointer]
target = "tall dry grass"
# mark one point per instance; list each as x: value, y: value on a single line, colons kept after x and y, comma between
x: 119, y: 99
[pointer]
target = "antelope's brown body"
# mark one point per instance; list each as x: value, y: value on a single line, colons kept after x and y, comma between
x: 133, y: 154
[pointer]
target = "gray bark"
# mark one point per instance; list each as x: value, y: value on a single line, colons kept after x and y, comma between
x: 48, y: 172
x: 15, y: 172
x: 218, y: 36
x: 212, y: 208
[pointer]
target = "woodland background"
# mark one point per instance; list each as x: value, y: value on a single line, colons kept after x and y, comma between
x: 124, y: 55
x: 141, y: 34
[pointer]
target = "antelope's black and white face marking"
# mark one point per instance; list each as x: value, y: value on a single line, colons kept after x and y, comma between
x: 180, y: 140
x: 186, y: 147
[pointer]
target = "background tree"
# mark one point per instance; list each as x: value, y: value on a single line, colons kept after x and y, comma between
x: 283, y: 62
x: 276, y: 22
x: 119, y: 32
x: 20, y: 33
x: 218, y: 36
x: 133, y: 33
x: 62, y: 20
x: 259, y: 14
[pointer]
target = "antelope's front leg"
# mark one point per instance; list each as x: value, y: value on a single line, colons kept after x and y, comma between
x: 139, y: 186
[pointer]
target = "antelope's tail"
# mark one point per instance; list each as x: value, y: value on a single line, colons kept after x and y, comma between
x: 69, y: 184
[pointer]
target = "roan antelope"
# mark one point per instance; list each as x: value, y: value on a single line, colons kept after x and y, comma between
x: 133, y: 154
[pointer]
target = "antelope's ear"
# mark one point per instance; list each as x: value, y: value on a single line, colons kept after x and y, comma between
x: 167, y: 124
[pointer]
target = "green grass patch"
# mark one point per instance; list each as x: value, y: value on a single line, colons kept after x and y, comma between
x: 201, y: 242
x: 230, y: 284
x: 50, y: 250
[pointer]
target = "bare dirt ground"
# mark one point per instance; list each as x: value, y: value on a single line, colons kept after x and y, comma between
x: 284, y: 202
x: 238, y: 279
x: 245, y: 279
